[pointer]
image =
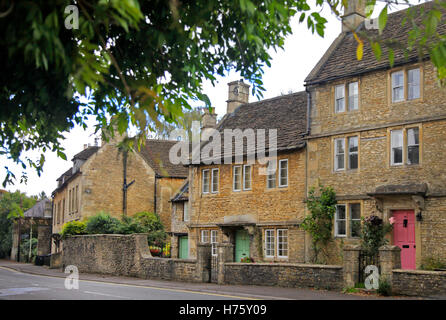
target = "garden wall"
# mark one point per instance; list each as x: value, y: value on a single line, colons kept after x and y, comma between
x: 284, y: 275
x: 129, y: 255
x: 419, y: 282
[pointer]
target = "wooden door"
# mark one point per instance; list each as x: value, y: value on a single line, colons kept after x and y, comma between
x: 404, y: 237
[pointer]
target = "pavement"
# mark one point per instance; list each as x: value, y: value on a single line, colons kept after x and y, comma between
x: 27, y: 281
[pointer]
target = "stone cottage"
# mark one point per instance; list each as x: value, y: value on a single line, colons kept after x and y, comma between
x: 255, y: 205
x: 96, y: 182
x: 377, y: 136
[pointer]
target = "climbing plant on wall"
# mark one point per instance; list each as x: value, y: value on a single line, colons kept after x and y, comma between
x: 319, y: 222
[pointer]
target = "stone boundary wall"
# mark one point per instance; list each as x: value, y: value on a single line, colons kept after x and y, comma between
x: 419, y: 282
x: 129, y: 255
x: 284, y: 275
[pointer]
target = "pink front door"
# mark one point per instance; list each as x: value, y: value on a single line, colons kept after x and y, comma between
x: 404, y: 236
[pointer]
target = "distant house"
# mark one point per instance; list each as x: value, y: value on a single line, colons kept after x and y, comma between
x: 378, y: 138
x: 180, y: 218
x: 95, y: 182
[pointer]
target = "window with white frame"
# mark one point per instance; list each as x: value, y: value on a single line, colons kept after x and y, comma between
x: 283, y: 173
x: 214, y: 183
x: 282, y: 243
x: 214, y: 242
x: 339, y: 154
x: 352, y: 152
x: 185, y: 211
x: 206, y: 179
x: 271, y: 176
x: 353, y: 96
x: 269, y: 243
x: 355, y: 219
x: 413, y: 146
x: 396, y: 146
x: 205, y: 236
x: 247, y: 177
x: 340, y: 98
x: 398, y: 86
x: 237, y: 178
x: 413, y: 84
x: 340, y: 221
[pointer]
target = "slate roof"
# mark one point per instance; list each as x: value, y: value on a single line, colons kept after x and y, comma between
x: 38, y: 210
x: 287, y: 114
x: 156, y: 153
x: 340, y: 59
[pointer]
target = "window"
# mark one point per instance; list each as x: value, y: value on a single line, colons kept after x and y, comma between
x: 353, y: 96
x: 69, y: 201
x: 206, y: 181
x: 205, y: 236
x: 413, y: 146
x: 72, y: 200
x: 396, y: 137
x: 282, y: 243
x: 237, y: 178
x: 77, y: 198
x: 63, y: 210
x: 353, y: 152
x: 214, y: 180
x: 398, y: 86
x: 214, y: 242
x: 340, y: 221
x: 355, y: 219
x: 269, y: 243
x: 413, y: 84
x: 339, y: 153
x: 283, y: 173
x: 185, y: 211
x: 271, y: 177
x: 340, y: 98
x: 246, y: 177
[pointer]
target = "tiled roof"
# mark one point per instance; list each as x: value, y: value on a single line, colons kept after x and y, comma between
x: 156, y: 153
x: 340, y: 59
x: 86, y: 153
x: 287, y: 114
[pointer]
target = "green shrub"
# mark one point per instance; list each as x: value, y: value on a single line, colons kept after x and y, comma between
x: 153, y: 226
x: 24, y: 250
x: 102, y: 223
x: 129, y: 225
x: 431, y: 263
x: 384, y: 288
x: 73, y: 228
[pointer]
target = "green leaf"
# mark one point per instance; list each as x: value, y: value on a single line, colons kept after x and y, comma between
x: 62, y: 155
x: 382, y: 19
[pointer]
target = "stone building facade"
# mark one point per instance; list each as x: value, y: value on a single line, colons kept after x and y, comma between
x: 95, y: 183
x: 239, y: 202
x: 377, y: 136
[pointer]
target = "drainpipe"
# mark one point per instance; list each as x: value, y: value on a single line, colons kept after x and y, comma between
x: 306, y: 160
x: 154, y: 202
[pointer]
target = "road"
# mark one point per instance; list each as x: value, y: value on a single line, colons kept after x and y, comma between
x: 15, y: 285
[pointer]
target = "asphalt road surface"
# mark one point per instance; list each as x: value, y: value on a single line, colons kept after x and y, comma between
x: 21, y: 286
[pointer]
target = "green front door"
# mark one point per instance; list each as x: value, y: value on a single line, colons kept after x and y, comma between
x: 241, y: 245
x: 183, y: 247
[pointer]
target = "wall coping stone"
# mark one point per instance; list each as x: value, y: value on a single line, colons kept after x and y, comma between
x: 107, y: 235
x: 425, y: 272
x: 301, y: 265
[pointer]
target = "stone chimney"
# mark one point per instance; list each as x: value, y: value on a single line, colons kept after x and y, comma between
x: 208, y: 121
x: 354, y: 15
x: 116, y: 136
x: 238, y: 94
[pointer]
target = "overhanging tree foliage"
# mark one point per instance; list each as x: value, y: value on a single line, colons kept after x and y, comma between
x: 137, y: 60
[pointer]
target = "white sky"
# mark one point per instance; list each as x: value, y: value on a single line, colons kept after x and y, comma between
x: 289, y: 67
